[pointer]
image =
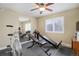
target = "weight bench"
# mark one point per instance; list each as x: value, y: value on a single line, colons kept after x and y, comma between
x: 40, y: 43
x: 53, y: 43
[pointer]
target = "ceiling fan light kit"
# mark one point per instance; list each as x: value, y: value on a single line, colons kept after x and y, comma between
x: 42, y: 7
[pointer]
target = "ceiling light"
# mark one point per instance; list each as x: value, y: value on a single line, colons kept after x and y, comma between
x: 23, y: 19
x: 42, y: 9
x: 37, y: 6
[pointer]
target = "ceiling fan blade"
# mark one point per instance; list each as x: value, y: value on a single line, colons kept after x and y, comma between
x: 48, y: 4
x: 40, y: 4
x: 49, y: 9
x: 33, y: 9
x: 41, y: 12
x: 37, y: 3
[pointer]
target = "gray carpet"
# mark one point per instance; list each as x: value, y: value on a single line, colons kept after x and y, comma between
x: 37, y: 51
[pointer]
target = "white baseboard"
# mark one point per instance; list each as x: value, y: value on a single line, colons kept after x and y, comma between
x: 1, y: 48
x: 67, y: 45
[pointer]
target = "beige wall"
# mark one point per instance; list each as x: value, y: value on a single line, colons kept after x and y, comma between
x: 11, y: 17
x: 7, y: 17
x: 70, y: 19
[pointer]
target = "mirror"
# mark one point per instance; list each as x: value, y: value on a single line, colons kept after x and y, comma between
x: 77, y: 26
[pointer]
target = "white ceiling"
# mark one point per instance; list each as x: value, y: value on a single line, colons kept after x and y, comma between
x: 26, y: 7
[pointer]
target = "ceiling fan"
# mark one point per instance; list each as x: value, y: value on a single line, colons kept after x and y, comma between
x: 42, y: 7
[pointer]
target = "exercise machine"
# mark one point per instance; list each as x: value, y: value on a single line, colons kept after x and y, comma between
x: 53, y: 43
x: 40, y: 43
x: 23, y: 35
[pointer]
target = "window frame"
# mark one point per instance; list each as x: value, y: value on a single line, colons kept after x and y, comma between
x: 53, y: 21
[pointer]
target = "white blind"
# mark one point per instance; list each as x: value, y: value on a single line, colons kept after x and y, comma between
x: 55, y: 25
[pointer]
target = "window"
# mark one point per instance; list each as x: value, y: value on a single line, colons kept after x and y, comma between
x: 48, y: 26
x: 28, y: 27
x: 55, y: 25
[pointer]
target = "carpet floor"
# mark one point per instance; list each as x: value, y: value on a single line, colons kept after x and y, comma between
x: 37, y: 51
